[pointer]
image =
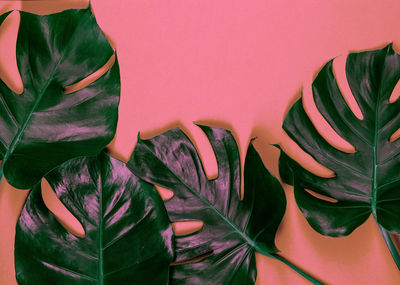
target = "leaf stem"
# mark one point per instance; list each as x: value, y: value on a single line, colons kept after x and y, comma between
x: 294, y: 267
x: 391, y: 246
x: 2, y: 166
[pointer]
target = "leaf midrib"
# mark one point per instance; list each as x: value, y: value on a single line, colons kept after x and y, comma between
x: 23, y: 127
x: 374, y: 184
x: 209, y: 205
x: 98, y: 177
x: 100, y: 233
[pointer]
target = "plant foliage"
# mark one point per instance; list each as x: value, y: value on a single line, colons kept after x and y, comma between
x: 128, y: 238
x: 43, y: 127
x: 233, y: 229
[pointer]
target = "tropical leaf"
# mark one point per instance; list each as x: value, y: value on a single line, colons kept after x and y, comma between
x: 43, y: 127
x: 128, y: 237
x: 367, y: 181
x: 233, y: 229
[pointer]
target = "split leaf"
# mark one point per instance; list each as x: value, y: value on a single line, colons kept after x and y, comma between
x: 43, y: 127
x: 366, y: 181
x: 223, y: 251
x: 128, y: 238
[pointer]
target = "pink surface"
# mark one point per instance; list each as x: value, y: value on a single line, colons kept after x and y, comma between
x: 238, y: 65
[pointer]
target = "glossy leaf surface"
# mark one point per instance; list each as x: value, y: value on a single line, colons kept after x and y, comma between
x: 128, y: 236
x: 233, y: 229
x: 43, y: 127
x: 366, y: 181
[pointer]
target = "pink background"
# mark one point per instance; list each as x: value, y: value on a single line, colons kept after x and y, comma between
x: 233, y: 64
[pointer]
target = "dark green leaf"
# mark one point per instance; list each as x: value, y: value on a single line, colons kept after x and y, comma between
x: 4, y: 16
x: 43, y: 127
x: 128, y: 236
x: 233, y: 229
x: 368, y: 180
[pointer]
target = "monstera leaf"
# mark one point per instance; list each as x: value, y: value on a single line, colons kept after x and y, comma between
x: 233, y: 229
x: 43, y: 127
x: 367, y: 181
x: 128, y: 238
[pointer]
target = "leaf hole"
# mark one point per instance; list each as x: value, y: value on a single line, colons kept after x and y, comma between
x: 242, y: 140
x: 91, y: 78
x: 165, y: 193
x: 37, y: 6
x: 199, y: 140
x: 395, y: 93
x: 9, y: 72
x: 193, y: 260
x: 294, y: 151
x: 339, y: 70
x: 187, y: 227
x: 321, y: 196
x: 395, y: 135
x: 321, y: 125
x: 65, y: 217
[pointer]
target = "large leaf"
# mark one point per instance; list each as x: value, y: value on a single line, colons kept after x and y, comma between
x: 128, y: 237
x: 366, y: 181
x: 233, y: 229
x: 43, y: 127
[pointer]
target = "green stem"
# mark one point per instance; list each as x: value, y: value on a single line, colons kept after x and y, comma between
x: 391, y: 246
x: 294, y: 267
x: 2, y: 167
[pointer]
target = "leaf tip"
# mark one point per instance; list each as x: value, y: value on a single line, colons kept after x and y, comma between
x: 89, y: 7
x: 138, y: 137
